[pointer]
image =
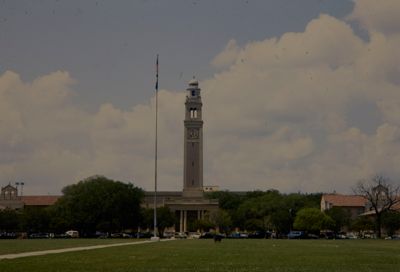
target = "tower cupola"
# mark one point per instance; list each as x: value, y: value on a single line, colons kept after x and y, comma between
x: 193, y: 91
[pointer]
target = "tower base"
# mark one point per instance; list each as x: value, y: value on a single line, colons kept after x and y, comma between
x: 192, y: 193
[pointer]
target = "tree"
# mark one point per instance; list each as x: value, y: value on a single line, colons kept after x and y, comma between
x: 340, y: 216
x: 362, y: 224
x: 312, y: 220
x: 381, y: 197
x: 254, y: 224
x: 203, y: 224
x: 226, y: 200
x: 165, y: 219
x: 391, y: 222
x: 99, y: 203
x: 9, y: 220
x: 221, y: 219
x: 34, y: 219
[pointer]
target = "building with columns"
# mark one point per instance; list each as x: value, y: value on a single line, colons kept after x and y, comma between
x: 190, y: 204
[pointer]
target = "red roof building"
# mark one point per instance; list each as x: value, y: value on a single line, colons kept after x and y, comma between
x: 355, y: 204
x: 40, y: 201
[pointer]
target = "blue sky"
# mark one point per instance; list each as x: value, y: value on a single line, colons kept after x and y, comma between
x: 298, y: 95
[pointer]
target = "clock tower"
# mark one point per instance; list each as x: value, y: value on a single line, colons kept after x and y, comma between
x: 193, y: 143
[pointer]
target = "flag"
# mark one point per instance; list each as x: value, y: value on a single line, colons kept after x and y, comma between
x: 157, y: 74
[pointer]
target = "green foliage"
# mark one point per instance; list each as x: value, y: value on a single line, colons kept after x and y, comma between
x: 340, y: 216
x: 226, y: 200
x: 202, y: 225
x: 254, y: 224
x: 271, y: 210
x: 99, y: 203
x: 165, y: 219
x: 391, y: 221
x: 312, y: 220
x: 34, y: 219
x: 362, y: 223
x: 221, y: 219
x: 9, y: 220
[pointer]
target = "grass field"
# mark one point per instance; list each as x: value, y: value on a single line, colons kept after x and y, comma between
x: 230, y: 255
x: 27, y: 245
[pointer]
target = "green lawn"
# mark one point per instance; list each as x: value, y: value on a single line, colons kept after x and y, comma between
x: 27, y: 245
x: 230, y: 255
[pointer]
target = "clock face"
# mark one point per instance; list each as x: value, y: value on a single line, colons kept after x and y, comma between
x: 193, y: 133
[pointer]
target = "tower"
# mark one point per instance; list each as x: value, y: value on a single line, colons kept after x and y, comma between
x: 193, y: 142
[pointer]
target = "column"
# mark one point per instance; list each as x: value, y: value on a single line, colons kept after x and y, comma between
x: 184, y: 220
x: 198, y: 214
x: 181, y: 221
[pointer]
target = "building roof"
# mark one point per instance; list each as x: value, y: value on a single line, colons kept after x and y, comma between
x: 44, y: 200
x: 345, y: 200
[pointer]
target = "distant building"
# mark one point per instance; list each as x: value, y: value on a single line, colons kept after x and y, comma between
x: 354, y: 204
x: 208, y: 189
x: 357, y: 205
x: 10, y: 199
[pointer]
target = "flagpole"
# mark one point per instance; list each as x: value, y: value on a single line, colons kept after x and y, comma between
x: 155, y: 156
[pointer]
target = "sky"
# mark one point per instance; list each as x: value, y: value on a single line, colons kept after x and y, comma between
x: 298, y: 95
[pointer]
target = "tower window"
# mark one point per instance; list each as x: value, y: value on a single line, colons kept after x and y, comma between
x: 193, y: 113
x: 193, y: 93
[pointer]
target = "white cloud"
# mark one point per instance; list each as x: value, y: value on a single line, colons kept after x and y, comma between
x: 309, y: 111
x: 378, y: 16
x: 228, y: 56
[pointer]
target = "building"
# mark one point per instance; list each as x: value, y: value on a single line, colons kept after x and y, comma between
x: 189, y: 204
x: 354, y: 204
x: 10, y: 199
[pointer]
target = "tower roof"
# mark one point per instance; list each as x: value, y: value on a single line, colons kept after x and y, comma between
x: 193, y: 82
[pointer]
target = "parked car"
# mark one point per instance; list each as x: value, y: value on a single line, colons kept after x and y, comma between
x: 194, y: 235
x: 239, y: 235
x: 72, y: 233
x: 8, y: 235
x: 39, y: 235
x: 393, y: 237
x: 60, y: 235
x: 341, y: 236
x: 351, y: 236
x: 312, y: 236
x: 259, y: 235
x: 180, y: 235
x: 327, y: 235
x: 207, y: 235
x: 116, y: 235
x: 295, y: 234
x: 142, y: 235
x: 168, y: 234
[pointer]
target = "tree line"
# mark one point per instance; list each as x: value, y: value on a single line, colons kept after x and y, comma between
x: 273, y: 211
x: 94, y: 205
x: 99, y: 204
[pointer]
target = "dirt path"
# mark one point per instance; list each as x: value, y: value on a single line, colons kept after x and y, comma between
x: 62, y: 250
